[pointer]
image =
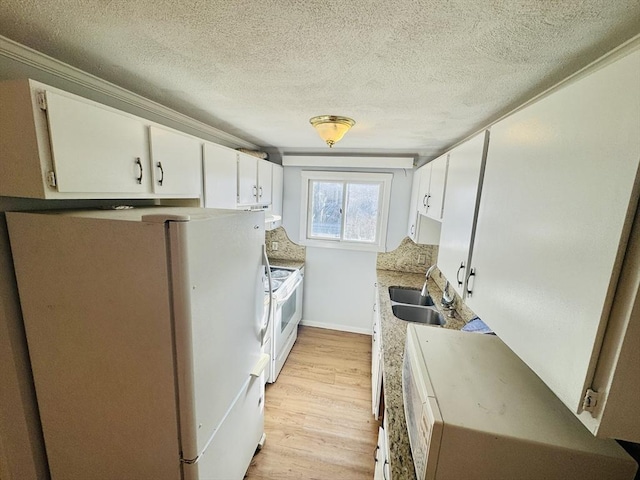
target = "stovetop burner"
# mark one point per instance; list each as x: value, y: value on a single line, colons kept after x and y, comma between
x: 278, y: 277
x: 280, y: 274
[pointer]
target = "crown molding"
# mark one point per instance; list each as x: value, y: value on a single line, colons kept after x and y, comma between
x: 32, y: 58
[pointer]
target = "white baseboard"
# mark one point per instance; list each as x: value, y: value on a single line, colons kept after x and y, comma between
x: 335, y: 326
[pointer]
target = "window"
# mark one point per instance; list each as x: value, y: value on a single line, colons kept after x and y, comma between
x: 345, y: 209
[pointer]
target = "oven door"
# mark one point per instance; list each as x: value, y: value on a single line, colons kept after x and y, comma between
x: 288, y: 314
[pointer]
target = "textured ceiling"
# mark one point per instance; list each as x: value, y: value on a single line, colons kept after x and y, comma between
x: 416, y: 75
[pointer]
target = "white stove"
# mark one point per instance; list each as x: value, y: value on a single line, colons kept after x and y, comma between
x: 286, y: 299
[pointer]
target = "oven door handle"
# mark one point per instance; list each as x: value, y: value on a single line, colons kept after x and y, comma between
x: 293, y: 289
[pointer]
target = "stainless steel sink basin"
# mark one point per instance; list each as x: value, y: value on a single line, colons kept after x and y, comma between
x: 409, y: 296
x: 413, y: 313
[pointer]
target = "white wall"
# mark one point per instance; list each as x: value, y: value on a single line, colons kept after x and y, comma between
x: 339, y: 291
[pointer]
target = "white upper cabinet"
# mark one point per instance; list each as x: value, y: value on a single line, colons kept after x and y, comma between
x: 265, y: 182
x: 466, y: 163
x: 424, y: 173
x: 254, y: 180
x: 558, y: 199
x: 61, y: 146
x: 437, y: 185
x: 421, y: 229
x: 277, y: 191
x: 412, y: 225
x: 94, y: 149
x: 220, y: 165
x: 432, y: 185
x: 176, y: 161
x: 247, y: 179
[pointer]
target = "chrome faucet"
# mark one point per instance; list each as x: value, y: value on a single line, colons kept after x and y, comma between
x: 425, y: 291
x: 448, y: 300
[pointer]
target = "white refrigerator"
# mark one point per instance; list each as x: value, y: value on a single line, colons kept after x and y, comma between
x: 144, y: 330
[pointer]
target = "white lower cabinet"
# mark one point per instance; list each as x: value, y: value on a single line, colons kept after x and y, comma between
x: 376, y: 359
x: 382, y: 468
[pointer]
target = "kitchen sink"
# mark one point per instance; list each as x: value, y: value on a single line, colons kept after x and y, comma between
x: 418, y: 314
x: 409, y: 296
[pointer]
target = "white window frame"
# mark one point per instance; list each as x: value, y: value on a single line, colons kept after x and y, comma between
x: 383, y: 179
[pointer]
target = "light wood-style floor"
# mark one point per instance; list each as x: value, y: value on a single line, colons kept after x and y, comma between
x: 318, y: 413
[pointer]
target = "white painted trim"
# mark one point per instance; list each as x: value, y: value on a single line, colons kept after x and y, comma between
x: 32, y: 58
x: 335, y: 326
x: 349, y: 162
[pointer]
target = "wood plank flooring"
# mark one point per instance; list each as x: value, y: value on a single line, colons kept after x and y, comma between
x: 318, y: 413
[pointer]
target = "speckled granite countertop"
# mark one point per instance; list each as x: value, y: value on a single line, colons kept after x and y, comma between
x: 394, y: 332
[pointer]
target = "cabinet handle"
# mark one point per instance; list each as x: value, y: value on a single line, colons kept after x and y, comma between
x: 471, y: 274
x: 458, y: 274
x: 424, y: 201
x: 428, y: 197
x: 413, y: 228
x: 159, y: 165
x: 375, y: 453
x: 139, y: 164
x: 255, y: 191
x: 260, y: 196
x: 384, y: 470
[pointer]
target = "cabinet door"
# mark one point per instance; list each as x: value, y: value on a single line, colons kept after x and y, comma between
x: 423, y: 191
x: 553, y: 221
x: 265, y: 188
x: 176, y: 162
x: 412, y: 224
x: 95, y: 149
x: 220, y: 169
x: 463, y: 176
x: 376, y: 359
x: 380, y: 456
x: 247, y: 179
x: 277, y: 193
x: 435, y: 199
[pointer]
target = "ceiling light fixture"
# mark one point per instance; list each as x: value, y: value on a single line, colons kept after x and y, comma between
x: 331, y: 128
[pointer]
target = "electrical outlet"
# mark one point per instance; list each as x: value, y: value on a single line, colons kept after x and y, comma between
x: 274, y: 246
x: 422, y: 259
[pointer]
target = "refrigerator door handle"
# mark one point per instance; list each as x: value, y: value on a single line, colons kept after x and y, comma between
x: 190, y: 461
x: 261, y: 365
x: 265, y: 262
